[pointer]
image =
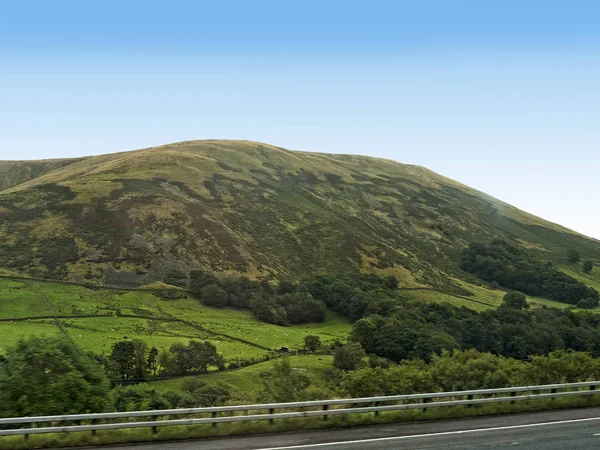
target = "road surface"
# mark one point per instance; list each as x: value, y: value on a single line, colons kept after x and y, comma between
x: 566, y: 429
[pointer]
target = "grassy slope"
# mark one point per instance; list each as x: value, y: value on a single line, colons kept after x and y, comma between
x: 127, y: 219
x: 235, y: 333
x: 483, y: 298
x: 576, y: 271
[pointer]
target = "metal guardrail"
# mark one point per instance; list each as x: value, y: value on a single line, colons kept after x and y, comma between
x: 398, y: 403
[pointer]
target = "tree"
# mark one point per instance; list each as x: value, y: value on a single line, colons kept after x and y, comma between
x: 152, y: 361
x: 515, y: 300
x: 574, y: 256
x: 140, y: 366
x: 199, y: 279
x: 123, y: 360
x: 203, y: 354
x: 301, y: 307
x: 588, y: 266
x: 50, y: 376
x: 213, y: 295
x: 349, y: 356
x: 312, y: 342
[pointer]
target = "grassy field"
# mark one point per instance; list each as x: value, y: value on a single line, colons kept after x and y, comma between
x: 96, y: 319
x: 245, y: 383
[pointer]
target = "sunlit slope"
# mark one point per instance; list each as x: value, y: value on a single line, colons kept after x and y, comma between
x: 237, y: 206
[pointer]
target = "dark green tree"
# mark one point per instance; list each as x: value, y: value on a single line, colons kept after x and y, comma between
x: 140, y: 367
x: 123, y: 360
x: 215, y: 296
x: 152, y: 360
x: 312, y: 343
x: 349, y: 356
x: 588, y: 266
x: 202, y: 355
x: 199, y: 279
x: 49, y: 376
x: 515, y: 300
x: 574, y: 256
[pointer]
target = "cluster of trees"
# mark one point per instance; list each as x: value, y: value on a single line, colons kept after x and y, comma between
x: 284, y: 304
x: 132, y: 361
x: 513, y: 268
x: 45, y: 376
x: 422, y: 330
x: 288, y: 303
x: 51, y: 375
x: 357, y: 296
x: 194, y: 358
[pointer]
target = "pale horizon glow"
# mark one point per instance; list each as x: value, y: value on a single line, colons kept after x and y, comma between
x: 503, y: 98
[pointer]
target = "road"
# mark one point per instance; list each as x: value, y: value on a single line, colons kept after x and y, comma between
x: 572, y: 429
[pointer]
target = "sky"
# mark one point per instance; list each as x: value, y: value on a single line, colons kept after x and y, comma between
x: 503, y: 96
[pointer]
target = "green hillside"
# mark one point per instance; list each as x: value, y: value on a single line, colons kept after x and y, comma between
x: 129, y: 219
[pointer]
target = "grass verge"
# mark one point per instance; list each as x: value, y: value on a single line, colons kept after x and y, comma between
x: 283, y: 425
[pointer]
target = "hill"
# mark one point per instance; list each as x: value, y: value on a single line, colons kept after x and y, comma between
x: 129, y: 219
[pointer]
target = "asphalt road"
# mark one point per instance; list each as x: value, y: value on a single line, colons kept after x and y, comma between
x: 566, y: 429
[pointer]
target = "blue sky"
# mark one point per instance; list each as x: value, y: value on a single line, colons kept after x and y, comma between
x: 501, y: 95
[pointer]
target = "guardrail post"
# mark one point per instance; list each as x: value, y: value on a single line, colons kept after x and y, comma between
x: 553, y: 391
x: 425, y: 401
x: 154, y: 428
x: 513, y: 394
x: 376, y: 405
x: 94, y: 422
x: 325, y: 408
x: 271, y: 411
x: 470, y: 397
x: 214, y: 414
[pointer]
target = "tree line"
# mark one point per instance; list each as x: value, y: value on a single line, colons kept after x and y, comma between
x: 285, y: 303
x: 133, y: 361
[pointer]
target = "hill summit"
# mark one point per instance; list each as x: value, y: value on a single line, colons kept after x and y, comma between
x: 129, y: 219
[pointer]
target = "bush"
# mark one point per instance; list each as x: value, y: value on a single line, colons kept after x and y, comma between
x: 516, y: 300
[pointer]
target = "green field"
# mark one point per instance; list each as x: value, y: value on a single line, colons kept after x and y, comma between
x: 245, y: 383
x: 96, y: 319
